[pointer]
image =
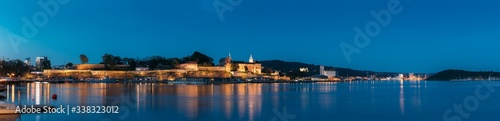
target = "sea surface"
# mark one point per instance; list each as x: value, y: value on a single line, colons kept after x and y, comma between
x: 332, y: 101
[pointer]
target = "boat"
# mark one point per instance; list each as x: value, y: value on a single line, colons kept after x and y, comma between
x: 190, y: 81
x: 259, y: 79
x: 69, y: 80
x: 143, y: 79
x: 103, y: 80
x: 7, y: 108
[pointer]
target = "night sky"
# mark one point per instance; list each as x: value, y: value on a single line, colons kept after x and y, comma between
x: 426, y: 36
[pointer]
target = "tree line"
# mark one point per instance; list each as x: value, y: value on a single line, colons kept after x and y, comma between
x: 153, y: 62
x: 14, y: 68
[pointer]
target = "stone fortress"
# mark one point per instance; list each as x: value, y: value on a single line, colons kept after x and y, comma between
x: 225, y: 69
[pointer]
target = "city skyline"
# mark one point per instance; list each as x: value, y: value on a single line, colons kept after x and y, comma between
x: 423, y: 38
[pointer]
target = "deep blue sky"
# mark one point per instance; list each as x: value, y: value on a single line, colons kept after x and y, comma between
x: 427, y: 36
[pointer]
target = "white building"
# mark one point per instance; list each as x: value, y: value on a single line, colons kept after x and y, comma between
x: 321, y: 70
x: 401, y: 77
x: 304, y: 69
x: 27, y: 61
x: 40, y: 61
x: 141, y: 68
x: 330, y: 73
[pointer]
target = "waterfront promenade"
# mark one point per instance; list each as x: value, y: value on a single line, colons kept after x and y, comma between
x: 229, y: 81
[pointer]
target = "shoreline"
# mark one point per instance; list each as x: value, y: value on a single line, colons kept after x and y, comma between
x: 170, y: 82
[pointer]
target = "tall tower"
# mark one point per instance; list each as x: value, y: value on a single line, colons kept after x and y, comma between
x: 228, y: 63
x: 251, y: 59
x: 40, y: 62
x: 228, y: 59
x: 322, y: 70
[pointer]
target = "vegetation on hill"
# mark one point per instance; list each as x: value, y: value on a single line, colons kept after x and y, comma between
x: 155, y: 62
x: 461, y: 74
x: 200, y: 58
x: 14, y: 67
x: 292, y: 68
x: 84, y: 59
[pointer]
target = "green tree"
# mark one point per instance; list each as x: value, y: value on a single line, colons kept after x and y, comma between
x: 295, y: 74
x: 46, y: 64
x: 117, y: 59
x: 200, y: 58
x: 132, y: 63
x: 175, y: 62
x: 109, y: 60
x: 16, y: 67
x: 84, y: 59
x: 154, y: 61
x: 69, y: 65
x: 267, y: 70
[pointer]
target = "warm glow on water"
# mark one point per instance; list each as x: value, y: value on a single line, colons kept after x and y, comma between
x: 344, y: 101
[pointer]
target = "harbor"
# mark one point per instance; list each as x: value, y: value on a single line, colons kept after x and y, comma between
x: 176, y: 81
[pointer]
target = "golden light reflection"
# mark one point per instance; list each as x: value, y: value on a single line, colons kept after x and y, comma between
x: 12, y: 89
x: 245, y: 100
x: 28, y: 91
x: 46, y: 92
x: 37, y: 93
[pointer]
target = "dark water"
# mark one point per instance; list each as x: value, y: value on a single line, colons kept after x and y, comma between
x: 343, y: 101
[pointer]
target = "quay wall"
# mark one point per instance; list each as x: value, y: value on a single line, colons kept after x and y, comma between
x: 160, y: 74
x: 215, y: 68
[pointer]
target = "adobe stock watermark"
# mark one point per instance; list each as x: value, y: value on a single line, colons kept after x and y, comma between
x: 470, y: 103
x: 14, y: 39
x: 371, y: 29
x: 31, y: 26
x: 282, y: 116
x: 221, y: 7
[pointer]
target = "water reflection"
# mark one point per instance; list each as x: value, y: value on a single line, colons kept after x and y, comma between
x: 155, y: 101
x: 10, y: 117
x: 402, y: 97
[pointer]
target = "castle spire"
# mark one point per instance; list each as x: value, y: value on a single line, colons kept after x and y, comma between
x: 251, y: 59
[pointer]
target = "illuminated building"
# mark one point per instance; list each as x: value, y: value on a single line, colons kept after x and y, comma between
x: 329, y: 73
x: 304, y: 69
x: 40, y: 62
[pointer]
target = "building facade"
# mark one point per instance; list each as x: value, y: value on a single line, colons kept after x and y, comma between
x: 40, y: 62
x: 329, y: 73
x: 250, y: 66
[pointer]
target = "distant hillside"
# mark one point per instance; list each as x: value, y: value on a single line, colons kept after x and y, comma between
x: 314, y: 69
x: 461, y: 74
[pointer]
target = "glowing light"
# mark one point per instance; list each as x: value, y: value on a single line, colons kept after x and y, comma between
x: 12, y: 93
x: 37, y: 93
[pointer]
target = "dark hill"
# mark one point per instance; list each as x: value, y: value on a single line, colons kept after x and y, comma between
x: 314, y: 69
x: 461, y: 74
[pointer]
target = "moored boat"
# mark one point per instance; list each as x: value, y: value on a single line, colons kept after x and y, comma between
x: 259, y: 79
x: 7, y: 108
x: 190, y: 81
x: 103, y: 80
